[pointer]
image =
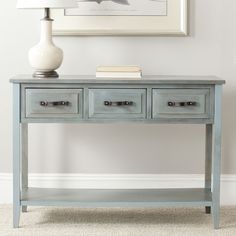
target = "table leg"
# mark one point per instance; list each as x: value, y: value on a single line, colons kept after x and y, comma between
x: 216, y: 167
x: 208, y: 161
x: 24, y: 153
x: 16, y: 155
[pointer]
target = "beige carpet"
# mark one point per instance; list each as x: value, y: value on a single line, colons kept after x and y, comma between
x: 54, y: 221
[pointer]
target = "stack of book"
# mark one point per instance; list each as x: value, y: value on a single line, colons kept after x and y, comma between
x: 118, y: 72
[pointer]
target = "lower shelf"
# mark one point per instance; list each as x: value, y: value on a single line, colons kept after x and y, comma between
x: 116, y: 197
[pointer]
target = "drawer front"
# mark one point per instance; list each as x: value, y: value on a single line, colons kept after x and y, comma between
x: 181, y: 103
x: 58, y: 103
x: 117, y: 103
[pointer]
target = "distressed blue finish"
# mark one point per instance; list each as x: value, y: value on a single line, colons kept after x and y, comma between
x: 208, y: 160
x: 216, y: 167
x: 35, y: 96
x: 91, y: 79
x: 97, y: 109
x: 24, y: 161
x: 85, y: 99
x: 16, y: 155
x: 202, y: 108
x: 117, y: 197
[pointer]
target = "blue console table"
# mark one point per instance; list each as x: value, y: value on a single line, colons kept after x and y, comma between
x: 154, y: 99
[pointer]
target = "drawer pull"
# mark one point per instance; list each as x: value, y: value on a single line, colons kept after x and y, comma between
x: 58, y: 103
x: 119, y: 103
x: 181, y: 104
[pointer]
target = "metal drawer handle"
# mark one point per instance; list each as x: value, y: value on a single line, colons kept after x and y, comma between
x: 57, y: 103
x: 119, y: 103
x: 181, y: 104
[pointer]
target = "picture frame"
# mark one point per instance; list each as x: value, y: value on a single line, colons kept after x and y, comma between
x: 175, y: 23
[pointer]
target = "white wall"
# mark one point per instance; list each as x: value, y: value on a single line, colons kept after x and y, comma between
x: 210, y: 50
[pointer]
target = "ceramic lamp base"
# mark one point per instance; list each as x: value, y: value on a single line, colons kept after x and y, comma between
x: 45, y: 57
x: 46, y: 74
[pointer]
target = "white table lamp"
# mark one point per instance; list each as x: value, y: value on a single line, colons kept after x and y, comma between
x: 45, y: 57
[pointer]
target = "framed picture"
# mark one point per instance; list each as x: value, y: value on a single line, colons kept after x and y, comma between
x: 123, y: 17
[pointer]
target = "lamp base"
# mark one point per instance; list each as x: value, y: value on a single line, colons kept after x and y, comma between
x: 45, y: 74
x: 45, y: 57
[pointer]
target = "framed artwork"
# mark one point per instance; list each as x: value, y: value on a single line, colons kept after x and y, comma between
x: 123, y: 17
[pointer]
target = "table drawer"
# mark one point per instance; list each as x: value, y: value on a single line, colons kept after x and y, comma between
x: 117, y: 103
x: 58, y: 103
x: 181, y: 103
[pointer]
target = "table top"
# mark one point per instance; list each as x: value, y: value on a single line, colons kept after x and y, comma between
x: 91, y: 79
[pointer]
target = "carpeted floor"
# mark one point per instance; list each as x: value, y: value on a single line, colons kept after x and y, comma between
x: 52, y: 221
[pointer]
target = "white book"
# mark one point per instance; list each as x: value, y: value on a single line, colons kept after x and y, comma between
x: 128, y: 68
x: 119, y: 75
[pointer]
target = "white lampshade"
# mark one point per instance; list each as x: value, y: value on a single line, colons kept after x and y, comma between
x: 46, y: 4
